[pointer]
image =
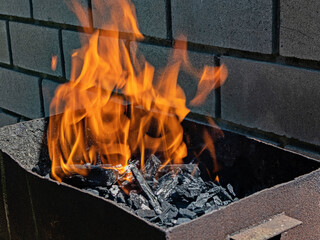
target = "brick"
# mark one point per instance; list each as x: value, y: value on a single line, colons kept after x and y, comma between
x: 4, y: 50
x: 35, y: 49
x: 159, y: 56
x: 59, y: 11
x: 299, y: 29
x: 71, y: 41
x: 274, y: 98
x: 48, y: 91
x: 20, y: 8
x: 237, y: 24
x: 151, y: 16
x: 6, y: 119
x: 20, y: 93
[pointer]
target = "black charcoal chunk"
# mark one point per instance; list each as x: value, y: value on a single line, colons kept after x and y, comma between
x: 169, y: 212
x: 168, y: 224
x: 146, y: 189
x: 217, y: 201
x: 226, y: 194
x: 125, y: 206
x: 202, y: 200
x: 183, y: 220
x: 185, y: 213
x: 114, y: 190
x: 137, y: 200
x: 188, y: 168
x: 120, y: 198
x: 93, y: 191
x: 214, y: 191
x: 103, y: 191
x: 99, y: 176
x: 151, y: 167
x: 166, y: 188
x: 213, y: 207
x: 230, y: 189
x: 145, y: 213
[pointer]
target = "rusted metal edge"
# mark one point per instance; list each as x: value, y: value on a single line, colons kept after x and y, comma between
x: 268, y: 229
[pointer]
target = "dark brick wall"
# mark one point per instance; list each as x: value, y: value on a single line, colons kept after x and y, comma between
x: 271, y: 48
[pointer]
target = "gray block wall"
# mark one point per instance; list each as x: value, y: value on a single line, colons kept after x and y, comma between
x: 271, y: 50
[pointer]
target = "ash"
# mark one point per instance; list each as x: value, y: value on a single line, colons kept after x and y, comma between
x: 164, y: 195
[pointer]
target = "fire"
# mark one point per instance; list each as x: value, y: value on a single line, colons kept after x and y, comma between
x: 54, y: 61
x: 113, y: 110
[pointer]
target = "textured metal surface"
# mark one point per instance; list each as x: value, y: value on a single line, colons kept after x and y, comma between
x: 268, y: 229
x: 40, y: 208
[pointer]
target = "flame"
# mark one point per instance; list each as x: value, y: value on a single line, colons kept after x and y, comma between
x: 114, y: 111
x: 217, y: 179
x: 54, y: 61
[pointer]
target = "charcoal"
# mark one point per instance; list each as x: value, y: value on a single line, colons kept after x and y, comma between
x: 137, y: 200
x: 189, y: 168
x: 183, y: 220
x: 230, y: 189
x: 93, y: 191
x: 226, y: 194
x: 125, y: 206
x: 165, y: 179
x: 211, y: 184
x: 217, y: 201
x: 202, y: 200
x: 111, y: 177
x: 120, y: 198
x: 145, y: 213
x: 215, y: 190
x: 213, y: 207
x: 103, y: 191
x: 151, y: 167
x: 145, y: 207
x: 169, y: 212
x: 168, y: 224
x: 165, y: 190
x: 101, y: 177
x: 114, y: 190
x: 152, y: 183
x: 146, y: 189
x: 185, y: 213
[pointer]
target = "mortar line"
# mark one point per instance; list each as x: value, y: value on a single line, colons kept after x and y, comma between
x: 31, y: 8
x: 32, y: 210
x: 41, y: 97
x: 275, y: 26
x: 4, y: 194
x: 9, y: 112
x: 33, y: 73
x: 169, y: 20
x: 62, y: 54
x: 90, y: 12
x: 217, y: 91
x: 9, y: 42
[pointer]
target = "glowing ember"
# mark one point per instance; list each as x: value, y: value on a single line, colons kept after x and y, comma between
x: 114, y: 110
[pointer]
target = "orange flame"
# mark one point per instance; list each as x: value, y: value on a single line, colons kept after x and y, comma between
x: 54, y: 61
x: 113, y: 111
x: 217, y: 179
